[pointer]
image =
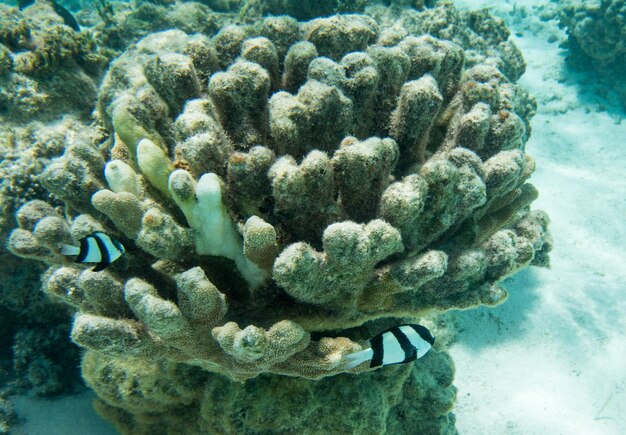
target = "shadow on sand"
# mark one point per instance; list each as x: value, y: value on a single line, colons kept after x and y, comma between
x: 486, y: 326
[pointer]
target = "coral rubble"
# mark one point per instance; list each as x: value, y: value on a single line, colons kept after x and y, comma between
x: 283, y: 189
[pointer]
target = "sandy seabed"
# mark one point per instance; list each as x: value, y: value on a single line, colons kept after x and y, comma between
x: 552, y: 359
x: 71, y: 415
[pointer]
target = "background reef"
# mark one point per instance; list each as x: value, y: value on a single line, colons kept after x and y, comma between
x: 284, y: 189
x: 597, y: 40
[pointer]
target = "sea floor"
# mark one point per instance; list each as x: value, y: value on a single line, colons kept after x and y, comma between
x: 551, y: 360
x: 70, y: 415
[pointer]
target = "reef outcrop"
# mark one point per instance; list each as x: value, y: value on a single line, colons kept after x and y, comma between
x: 285, y: 189
x: 597, y: 39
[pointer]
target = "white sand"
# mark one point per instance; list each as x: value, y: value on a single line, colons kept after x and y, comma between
x: 552, y: 359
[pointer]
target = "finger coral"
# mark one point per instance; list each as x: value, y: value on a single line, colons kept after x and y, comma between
x: 283, y: 189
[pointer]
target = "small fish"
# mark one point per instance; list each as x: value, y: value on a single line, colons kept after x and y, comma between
x: 68, y: 18
x: 397, y: 345
x: 24, y: 3
x: 98, y: 248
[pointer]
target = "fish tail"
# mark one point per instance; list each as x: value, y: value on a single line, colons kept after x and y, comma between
x: 354, y: 359
x: 100, y: 266
x: 69, y: 250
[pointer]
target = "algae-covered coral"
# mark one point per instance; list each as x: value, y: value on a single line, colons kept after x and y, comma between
x: 597, y: 39
x: 48, y: 76
x: 284, y: 189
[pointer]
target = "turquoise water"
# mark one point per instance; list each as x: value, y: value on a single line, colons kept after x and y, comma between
x: 548, y: 360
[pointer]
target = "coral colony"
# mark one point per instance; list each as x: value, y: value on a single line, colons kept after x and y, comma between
x: 284, y: 191
x: 596, y: 40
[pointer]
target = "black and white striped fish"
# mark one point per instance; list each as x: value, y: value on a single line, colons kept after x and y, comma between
x: 397, y: 345
x: 99, y: 248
